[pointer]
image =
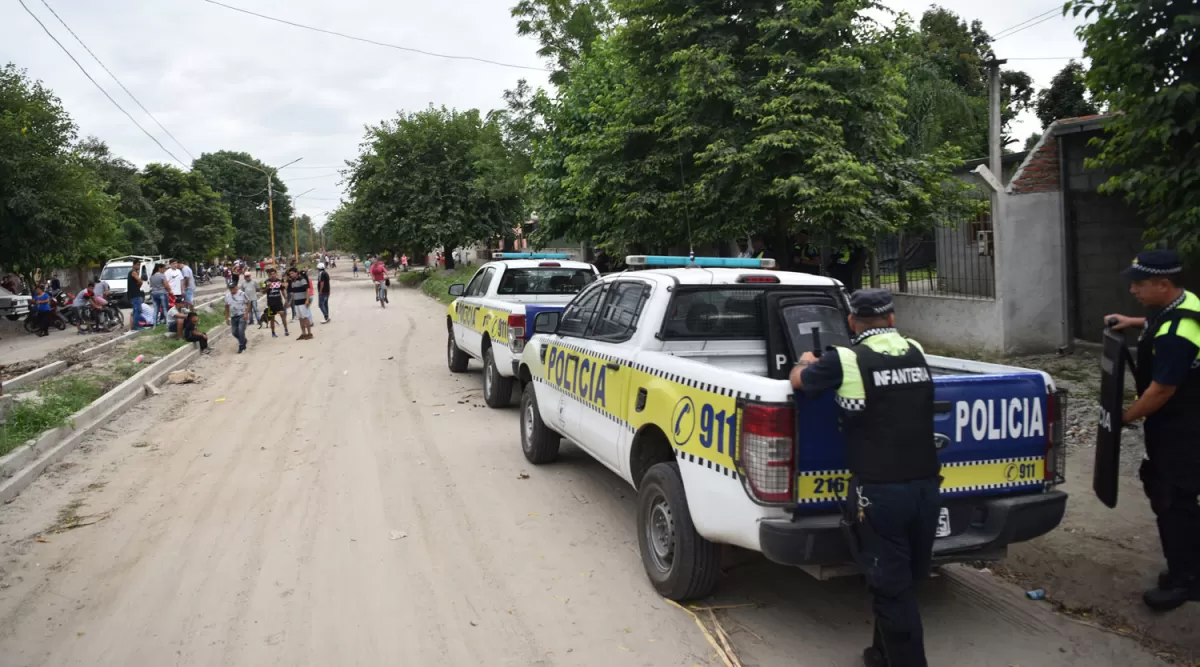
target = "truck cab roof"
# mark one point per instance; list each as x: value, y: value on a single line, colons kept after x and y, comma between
x: 719, y: 276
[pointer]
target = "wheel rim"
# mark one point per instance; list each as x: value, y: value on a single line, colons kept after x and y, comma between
x: 660, y: 533
x: 527, y: 431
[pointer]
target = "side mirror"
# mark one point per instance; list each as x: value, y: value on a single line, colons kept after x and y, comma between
x: 546, y: 323
x: 457, y: 289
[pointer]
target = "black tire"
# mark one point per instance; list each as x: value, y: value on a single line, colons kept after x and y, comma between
x: 456, y: 359
x: 497, y: 389
x: 31, y: 325
x: 539, y: 442
x: 681, y: 564
x: 60, y: 323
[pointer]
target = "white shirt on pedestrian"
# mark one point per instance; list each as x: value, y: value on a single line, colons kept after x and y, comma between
x: 236, y: 302
x: 175, y: 280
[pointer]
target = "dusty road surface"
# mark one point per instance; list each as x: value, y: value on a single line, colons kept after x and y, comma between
x: 347, y: 501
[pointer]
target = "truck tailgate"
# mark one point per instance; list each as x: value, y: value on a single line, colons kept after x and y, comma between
x: 991, y: 431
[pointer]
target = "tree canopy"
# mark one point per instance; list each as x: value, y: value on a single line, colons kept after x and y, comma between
x: 191, y: 216
x: 1067, y: 96
x: 1144, y: 66
x: 244, y: 190
x: 430, y: 179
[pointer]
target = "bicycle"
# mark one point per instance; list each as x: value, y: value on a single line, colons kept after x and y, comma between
x: 381, y: 289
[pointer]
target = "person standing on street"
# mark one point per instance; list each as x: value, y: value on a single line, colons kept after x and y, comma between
x: 158, y: 293
x: 298, y: 289
x: 894, y: 501
x: 133, y: 283
x: 251, y: 290
x: 189, y: 282
x: 323, y: 290
x: 356, y: 268
x: 174, y: 283
x: 1168, y: 388
x: 274, y: 288
x: 41, y: 302
x: 236, y: 304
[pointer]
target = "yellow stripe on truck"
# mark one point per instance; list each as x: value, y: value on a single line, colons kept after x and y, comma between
x: 828, y: 485
x: 482, y: 319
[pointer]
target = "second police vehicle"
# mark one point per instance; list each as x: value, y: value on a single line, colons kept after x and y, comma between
x: 675, y: 378
x: 487, y: 319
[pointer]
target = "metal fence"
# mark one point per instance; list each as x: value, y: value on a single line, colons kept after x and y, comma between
x: 955, y: 258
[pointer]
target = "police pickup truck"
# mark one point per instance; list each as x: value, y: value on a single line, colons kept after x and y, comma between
x: 487, y: 320
x: 675, y: 378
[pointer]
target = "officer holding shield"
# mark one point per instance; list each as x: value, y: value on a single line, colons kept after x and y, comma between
x: 1168, y: 387
x: 885, y: 395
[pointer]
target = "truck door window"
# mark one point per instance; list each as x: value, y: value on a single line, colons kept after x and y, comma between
x: 578, y: 314
x: 618, y: 316
x: 479, y: 284
x: 799, y: 320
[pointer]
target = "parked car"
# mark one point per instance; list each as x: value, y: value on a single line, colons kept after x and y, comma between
x: 13, y: 306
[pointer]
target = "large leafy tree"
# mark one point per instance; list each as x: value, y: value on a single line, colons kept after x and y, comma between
x: 566, y: 29
x: 139, y: 234
x: 193, y: 221
x: 695, y: 122
x: 54, y: 211
x: 433, y: 178
x: 1146, y: 67
x: 1067, y: 96
x: 244, y: 190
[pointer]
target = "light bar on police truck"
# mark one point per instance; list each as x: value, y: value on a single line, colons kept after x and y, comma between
x: 530, y: 255
x: 699, y: 262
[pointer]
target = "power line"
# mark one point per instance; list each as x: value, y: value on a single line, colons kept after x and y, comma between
x: 1057, y: 8
x: 1023, y: 29
x: 371, y: 41
x: 114, y: 78
x: 97, y: 85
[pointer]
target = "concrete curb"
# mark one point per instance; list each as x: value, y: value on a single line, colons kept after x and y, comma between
x: 35, y: 375
x: 93, y: 351
x: 20, y: 467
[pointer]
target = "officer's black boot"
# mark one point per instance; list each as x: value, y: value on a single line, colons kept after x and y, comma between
x: 1171, y: 593
x: 873, y: 657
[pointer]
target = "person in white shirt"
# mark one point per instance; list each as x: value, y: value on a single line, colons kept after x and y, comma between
x: 175, y: 280
x: 189, y: 282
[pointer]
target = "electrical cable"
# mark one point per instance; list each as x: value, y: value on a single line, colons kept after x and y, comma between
x: 101, y: 88
x: 371, y: 41
x: 114, y: 78
x: 1012, y: 30
x: 1031, y: 25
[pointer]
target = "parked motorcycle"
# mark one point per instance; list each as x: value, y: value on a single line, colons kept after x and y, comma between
x: 56, y: 319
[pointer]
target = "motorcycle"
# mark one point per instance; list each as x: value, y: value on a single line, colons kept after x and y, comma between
x: 56, y: 319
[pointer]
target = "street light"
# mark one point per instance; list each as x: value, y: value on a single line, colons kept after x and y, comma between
x: 295, y: 233
x: 270, y: 196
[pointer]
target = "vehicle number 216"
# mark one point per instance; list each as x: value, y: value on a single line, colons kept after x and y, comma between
x: 830, y: 486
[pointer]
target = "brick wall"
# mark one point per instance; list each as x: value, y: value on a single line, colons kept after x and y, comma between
x: 1040, y: 173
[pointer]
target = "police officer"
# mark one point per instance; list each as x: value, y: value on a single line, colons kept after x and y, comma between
x: 1168, y: 387
x: 806, y: 257
x: 885, y: 395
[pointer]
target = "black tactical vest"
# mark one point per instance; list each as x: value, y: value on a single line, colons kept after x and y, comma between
x: 1182, y: 406
x: 891, y: 438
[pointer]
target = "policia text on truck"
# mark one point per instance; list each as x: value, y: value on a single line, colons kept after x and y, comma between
x: 1168, y: 387
x: 885, y: 395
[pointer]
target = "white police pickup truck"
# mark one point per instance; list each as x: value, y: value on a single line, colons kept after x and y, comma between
x: 675, y: 378
x: 487, y: 320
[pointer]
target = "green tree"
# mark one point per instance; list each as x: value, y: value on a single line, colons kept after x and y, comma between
x: 139, y: 233
x: 1032, y: 140
x: 434, y: 178
x: 54, y: 211
x: 566, y: 29
x: 193, y: 221
x: 244, y: 190
x: 1066, y: 97
x: 1145, y: 58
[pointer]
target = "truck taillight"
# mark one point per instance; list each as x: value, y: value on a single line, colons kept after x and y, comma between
x: 1056, y: 433
x: 516, y: 333
x: 766, y: 452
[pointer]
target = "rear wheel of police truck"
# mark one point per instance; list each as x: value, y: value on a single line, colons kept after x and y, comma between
x: 539, y: 442
x: 681, y: 564
x: 456, y: 359
x: 497, y: 389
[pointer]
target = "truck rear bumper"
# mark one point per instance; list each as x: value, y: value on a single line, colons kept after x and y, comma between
x: 999, y: 522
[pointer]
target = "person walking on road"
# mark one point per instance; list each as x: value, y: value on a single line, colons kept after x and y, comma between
x: 158, y: 293
x: 298, y: 289
x: 323, y: 291
x: 1168, y: 388
x: 236, y: 305
x: 251, y: 290
x: 356, y: 268
x: 133, y: 284
x: 274, y: 288
x: 894, y: 502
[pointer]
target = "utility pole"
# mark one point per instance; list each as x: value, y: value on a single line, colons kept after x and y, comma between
x: 270, y: 196
x: 995, y: 121
x: 295, y: 233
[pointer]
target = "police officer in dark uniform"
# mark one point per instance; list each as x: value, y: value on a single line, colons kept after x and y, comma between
x: 885, y: 395
x: 1168, y: 387
x: 806, y: 257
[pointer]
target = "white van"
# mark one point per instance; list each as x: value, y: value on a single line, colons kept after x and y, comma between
x: 116, y: 274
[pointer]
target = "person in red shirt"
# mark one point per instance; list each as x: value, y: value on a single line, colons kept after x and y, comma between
x: 378, y: 275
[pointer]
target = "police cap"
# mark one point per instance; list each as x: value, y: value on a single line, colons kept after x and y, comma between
x: 1154, y: 264
x: 871, y: 303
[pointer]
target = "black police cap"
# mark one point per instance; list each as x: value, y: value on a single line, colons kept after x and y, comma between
x: 1154, y: 264
x: 871, y: 303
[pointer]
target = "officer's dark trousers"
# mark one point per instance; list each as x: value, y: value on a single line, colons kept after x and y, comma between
x: 1178, y: 512
x: 895, y: 542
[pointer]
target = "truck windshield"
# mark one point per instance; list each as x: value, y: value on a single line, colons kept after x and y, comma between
x: 544, y: 280
x: 115, y: 272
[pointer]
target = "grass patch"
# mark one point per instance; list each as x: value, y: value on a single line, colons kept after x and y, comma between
x: 59, y: 399
x: 413, y: 278
x: 440, y: 281
x: 154, y: 344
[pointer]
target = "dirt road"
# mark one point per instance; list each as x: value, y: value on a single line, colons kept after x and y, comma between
x: 347, y: 501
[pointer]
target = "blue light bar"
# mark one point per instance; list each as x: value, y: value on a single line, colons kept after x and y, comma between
x: 700, y: 262
x: 530, y: 255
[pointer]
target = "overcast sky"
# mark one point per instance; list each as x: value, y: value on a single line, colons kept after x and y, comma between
x: 222, y: 80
